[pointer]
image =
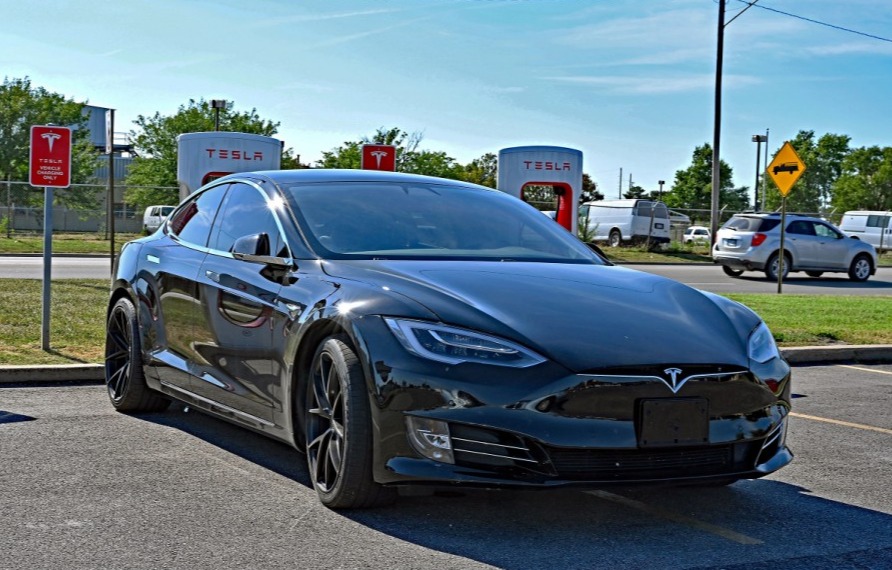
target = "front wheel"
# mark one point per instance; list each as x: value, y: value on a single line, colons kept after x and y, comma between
x: 860, y: 268
x: 124, y: 377
x: 732, y: 272
x: 338, y: 430
x: 615, y: 238
x: 771, y: 268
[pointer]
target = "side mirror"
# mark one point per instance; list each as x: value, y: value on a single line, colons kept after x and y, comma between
x: 255, y: 249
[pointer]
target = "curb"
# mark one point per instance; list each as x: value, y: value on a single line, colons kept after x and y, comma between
x: 795, y: 355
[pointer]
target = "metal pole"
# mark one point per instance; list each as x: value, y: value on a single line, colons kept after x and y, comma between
x: 661, y: 182
x: 717, y: 123
x: 780, y: 261
x: 764, y: 181
x: 111, y: 189
x: 47, y: 266
x: 758, y: 156
x: 217, y: 118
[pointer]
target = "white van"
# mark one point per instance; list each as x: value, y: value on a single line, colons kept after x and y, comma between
x: 617, y: 221
x: 155, y: 216
x: 872, y: 227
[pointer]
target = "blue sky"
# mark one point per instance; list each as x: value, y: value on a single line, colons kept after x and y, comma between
x: 630, y: 83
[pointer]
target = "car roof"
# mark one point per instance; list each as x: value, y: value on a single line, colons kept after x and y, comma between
x: 317, y: 175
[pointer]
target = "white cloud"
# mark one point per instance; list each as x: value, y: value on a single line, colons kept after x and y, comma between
x: 650, y: 85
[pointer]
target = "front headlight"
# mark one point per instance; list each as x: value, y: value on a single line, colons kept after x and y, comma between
x: 454, y: 345
x: 761, y: 346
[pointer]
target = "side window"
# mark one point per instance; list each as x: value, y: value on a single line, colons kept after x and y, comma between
x: 192, y: 222
x: 801, y: 227
x: 826, y: 232
x: 246, y: 212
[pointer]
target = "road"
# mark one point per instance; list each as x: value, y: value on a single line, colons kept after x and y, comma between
x: 82, y: 486
x: 707, y: 277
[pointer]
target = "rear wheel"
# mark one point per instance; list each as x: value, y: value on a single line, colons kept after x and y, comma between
x: 771, y: 268
x: 338, y: 430
x: 124, y: 377
x: 615, y: 238
x: 860, y: 268
x: 732, y: 272
x: 814, y: 273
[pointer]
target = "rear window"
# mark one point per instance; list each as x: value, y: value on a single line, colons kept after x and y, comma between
x: 747, y: 224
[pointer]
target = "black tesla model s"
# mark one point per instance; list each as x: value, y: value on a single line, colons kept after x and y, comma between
x: 404, y: 329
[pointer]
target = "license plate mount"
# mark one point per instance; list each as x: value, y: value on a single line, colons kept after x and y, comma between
x: 673, y: 422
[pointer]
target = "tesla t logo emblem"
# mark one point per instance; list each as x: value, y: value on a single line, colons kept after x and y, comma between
x: 378, y: 154
x: 673, y: 382
x: 50, y: 139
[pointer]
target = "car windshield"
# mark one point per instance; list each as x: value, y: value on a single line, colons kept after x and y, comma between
x: 428, y: 221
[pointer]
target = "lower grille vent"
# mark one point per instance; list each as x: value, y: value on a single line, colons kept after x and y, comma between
x: 612, y: 464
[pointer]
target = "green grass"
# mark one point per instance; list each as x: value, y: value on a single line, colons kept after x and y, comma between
x: 62, y: 242
x: 77, y: 324
x: 77, y: 332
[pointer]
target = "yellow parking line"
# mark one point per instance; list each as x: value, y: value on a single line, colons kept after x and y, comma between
x: 841, y: 423
x: 675, y: 517
x: 865, y: 369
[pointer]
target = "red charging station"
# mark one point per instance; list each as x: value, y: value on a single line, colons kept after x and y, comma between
x: 558, y: 167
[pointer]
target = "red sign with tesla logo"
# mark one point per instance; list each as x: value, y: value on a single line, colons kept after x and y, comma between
x: 379, y: 157
x: 50, y: 156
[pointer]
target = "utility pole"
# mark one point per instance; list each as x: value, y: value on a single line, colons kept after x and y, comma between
x: 620, y: 182
x: 717, y: 125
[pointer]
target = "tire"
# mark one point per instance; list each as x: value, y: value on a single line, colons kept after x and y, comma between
x: 615, y: 238
x: 124, y: 376
x: 814, y: 273
x: 338, y: 430
x: 860, y: 268
x: 771, y: 267
x: 732, y: 272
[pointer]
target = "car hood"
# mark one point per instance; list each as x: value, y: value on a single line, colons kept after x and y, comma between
x: 585, y: 317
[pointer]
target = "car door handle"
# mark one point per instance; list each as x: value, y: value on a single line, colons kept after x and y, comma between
x: 213, y: 276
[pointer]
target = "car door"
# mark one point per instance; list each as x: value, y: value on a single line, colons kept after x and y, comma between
x: 832, y: 247
x: 803, y: 243
x: 238, y: 311
x: 168, y: 290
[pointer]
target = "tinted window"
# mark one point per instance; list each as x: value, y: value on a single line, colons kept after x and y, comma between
x: 192, y: 221
x: 246, y: 212
x: 421, y: 221
x: 877, y: 221
x: 801, y: 227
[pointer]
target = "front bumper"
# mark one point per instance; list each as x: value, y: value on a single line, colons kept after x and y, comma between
x: 545, y: 427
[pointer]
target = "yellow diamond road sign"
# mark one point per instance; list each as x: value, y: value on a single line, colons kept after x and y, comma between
x: 786, y: 168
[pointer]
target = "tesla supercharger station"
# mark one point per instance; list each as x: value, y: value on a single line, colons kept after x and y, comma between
x: 203, y: 157
x: 555, y: 166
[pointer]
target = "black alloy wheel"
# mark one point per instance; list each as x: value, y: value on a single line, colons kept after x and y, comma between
x: 124, y: 377
x: 732, y: 272
x: 338, y: 430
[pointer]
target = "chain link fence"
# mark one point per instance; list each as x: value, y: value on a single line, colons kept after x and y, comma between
x: 16, y: 217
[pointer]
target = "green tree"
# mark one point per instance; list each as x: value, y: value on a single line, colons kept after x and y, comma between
x: 22, y: 106
x: 483, y: 171
x: 692, y: 189
x: 590, y: 192
x: 156, y: 146
x: 635, y: 191
x: 866, y: 180
x: 349, y: 154
x: 823, y: 159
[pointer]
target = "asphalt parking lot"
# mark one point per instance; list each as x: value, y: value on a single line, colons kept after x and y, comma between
x: 82, y: 486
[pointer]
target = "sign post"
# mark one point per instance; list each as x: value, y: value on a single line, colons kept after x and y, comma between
x: 50, y: 167
x: 785, y: 170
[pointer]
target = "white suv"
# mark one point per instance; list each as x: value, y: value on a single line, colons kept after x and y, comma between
x: 751, y: 242
x: 155, y: 216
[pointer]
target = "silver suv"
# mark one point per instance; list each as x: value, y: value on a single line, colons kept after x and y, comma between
x: 751, y: 242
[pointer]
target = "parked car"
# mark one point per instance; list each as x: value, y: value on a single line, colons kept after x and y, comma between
x: 873, y: 227
x: 403, y: 329
x: 631, y: 221
x: 154, y: 216
x: 697, y: 234
x: 751, y: 242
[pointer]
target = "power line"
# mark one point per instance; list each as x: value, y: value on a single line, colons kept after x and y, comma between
x: 813, y: 21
